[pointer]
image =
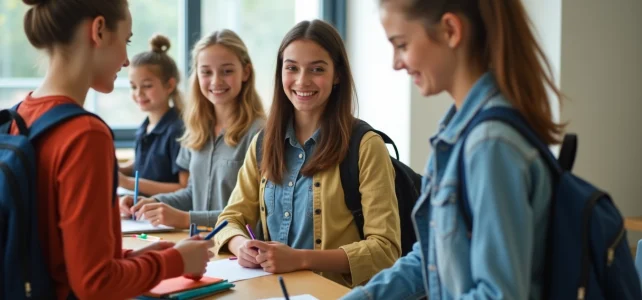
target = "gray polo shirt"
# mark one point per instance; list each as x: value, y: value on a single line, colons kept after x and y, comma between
x: 213, y: 172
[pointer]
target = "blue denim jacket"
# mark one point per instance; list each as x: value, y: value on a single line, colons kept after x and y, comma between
x: 289, y: 204
x: 509, y: 189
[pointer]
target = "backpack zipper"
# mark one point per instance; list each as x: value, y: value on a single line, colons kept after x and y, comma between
x: 15, y: 190
x: 586, y: 259
x: 610, y: 252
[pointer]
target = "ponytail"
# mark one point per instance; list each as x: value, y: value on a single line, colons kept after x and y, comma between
x: 502, y: 39
x: 519, y: 64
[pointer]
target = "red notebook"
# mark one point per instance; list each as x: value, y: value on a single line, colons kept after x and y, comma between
x: 179, y: 284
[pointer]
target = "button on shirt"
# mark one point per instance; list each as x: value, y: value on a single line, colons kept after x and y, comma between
x: 156, y: 151
x: 289, y: 204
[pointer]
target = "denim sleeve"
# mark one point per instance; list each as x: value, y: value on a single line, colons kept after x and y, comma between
x: 498, y: 184
x: 404, y: 280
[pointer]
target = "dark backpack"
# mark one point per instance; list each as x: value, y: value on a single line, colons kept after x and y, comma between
x: 407, y: 183
x: 587, y: 254
x: 23, y: 271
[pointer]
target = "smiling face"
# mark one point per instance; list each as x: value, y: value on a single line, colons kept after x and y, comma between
x: 220, y: 74
x: 427, y: 60
x: 147, y: 90
x: 308, y: 76
x: 111, y: 55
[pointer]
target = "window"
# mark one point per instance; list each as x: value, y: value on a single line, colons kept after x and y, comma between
x: 261, y: 25
x: 22, y: 67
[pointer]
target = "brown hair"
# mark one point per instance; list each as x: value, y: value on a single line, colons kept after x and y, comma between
x: 337, y: 118
x: 51, y: 22
x: 502, y: 38
x: 161, y: 64
x: 199, y: 117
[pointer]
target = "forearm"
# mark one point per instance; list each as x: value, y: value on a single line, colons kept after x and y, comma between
x: 150, y: 187
x: 127, y: 168
x: 235, y: 243
x: 335, y: 260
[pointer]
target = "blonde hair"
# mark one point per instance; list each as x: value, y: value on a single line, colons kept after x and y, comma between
x: 199, y: 117
x: 163, y: 66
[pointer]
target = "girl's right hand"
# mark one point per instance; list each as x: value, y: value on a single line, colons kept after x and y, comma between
x: 125, y: 204
x: 246, y: 256
x: 196, y: 254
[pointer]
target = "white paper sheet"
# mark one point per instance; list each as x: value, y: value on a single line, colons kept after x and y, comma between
x: 298, y: 297
x: 141, y: 226
x: 232, y: 271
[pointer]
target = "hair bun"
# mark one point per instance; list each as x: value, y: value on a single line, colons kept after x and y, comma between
x: 34, y: 2
x: 159, y: 43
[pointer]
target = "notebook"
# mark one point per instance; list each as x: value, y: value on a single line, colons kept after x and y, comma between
x: 183, y: 288
x: 141, y: 226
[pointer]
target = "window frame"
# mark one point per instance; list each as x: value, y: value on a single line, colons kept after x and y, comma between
x: 332, y: 11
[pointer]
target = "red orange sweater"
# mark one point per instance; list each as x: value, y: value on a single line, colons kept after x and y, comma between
x: 78, y: 219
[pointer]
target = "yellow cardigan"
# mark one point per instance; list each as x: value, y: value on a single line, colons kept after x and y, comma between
x: 334, y: 226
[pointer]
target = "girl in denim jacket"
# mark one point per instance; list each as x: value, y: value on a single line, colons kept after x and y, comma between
x: 484, y: 54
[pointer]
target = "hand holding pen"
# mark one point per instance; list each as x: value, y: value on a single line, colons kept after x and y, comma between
x: 198, y: 274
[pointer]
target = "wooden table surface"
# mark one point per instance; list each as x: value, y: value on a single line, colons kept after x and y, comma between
x: 298, y: 283
x: 633, y: 223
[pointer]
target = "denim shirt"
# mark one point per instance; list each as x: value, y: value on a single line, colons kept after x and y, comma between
x: 509, y: 189
x: 289, y: 204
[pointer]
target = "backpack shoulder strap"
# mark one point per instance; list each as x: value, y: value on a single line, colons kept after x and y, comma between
x: 55, y: 116
x: 568, y: 151
x: 349, y: 171
x: 514, y: 119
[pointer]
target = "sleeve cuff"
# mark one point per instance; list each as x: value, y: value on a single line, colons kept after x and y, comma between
x: 225, y: 235
x: 359, y: 258
x: 174, y: 262
x: 204, y: 218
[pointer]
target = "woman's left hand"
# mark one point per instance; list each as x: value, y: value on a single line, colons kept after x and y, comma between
x: 162, y: 214
x: 276, y: 257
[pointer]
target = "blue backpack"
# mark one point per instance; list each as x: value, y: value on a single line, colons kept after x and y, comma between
x: 587, y: 254
x: 23, y: 271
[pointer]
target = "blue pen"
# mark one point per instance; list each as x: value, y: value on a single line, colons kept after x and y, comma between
x: 192, y: 229
x: 217, y: 229
x: 135, y: 192
x: 285, y: 292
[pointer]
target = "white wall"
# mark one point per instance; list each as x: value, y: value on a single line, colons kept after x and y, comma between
x: 602, y: 74
x: 389, y: 100
x: 383, y: 94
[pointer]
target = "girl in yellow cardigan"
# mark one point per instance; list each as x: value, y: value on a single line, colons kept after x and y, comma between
x: 296, y: 191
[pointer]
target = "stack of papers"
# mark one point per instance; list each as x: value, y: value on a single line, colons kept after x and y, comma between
x: 141, y: 226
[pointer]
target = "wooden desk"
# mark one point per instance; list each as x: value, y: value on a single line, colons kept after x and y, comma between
x: 301, y: 282
x: 633, y: 223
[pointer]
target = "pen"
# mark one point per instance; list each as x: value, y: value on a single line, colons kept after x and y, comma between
x: 203, y: 228
x: 192, y: 229
x: 208, y: 237
x: 249, y: 230
x: 216, y: 230
x: 135, y: 192
x: 285, y: 292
